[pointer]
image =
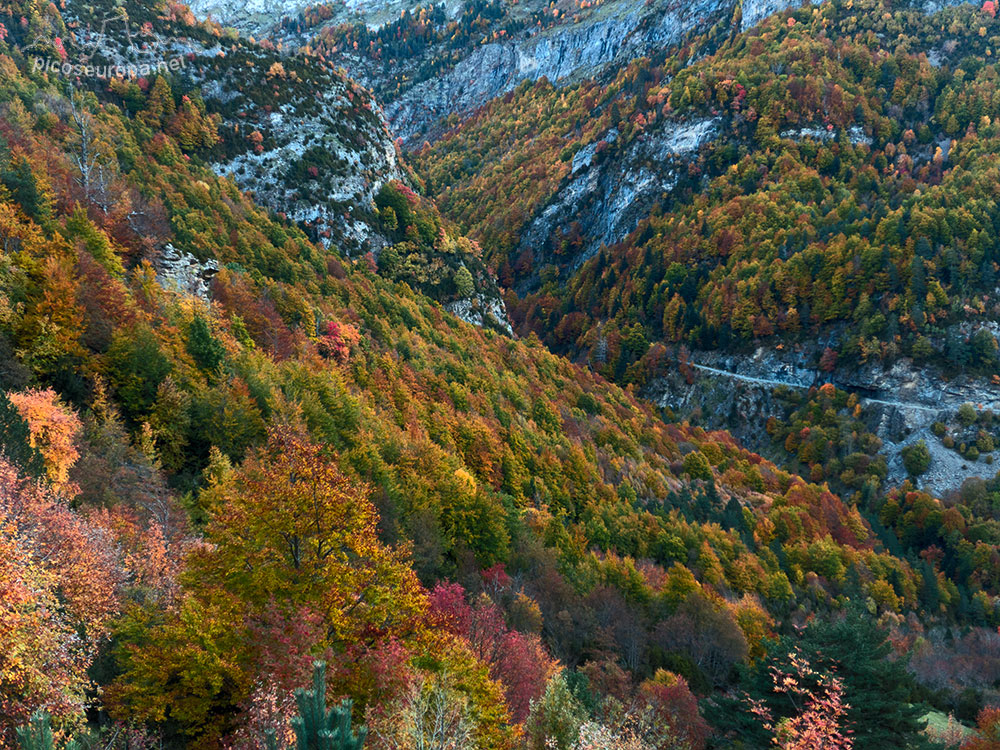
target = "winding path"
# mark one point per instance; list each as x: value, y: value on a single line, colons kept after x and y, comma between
x: 804, y: 386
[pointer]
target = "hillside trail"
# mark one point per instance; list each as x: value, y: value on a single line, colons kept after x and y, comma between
x: 807, y: 386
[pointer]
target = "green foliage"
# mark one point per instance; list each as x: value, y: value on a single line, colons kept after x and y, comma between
x: 464, y: 285
x: 319, y: 728
x: 37, y: 734
x: 136, y: 367
x: 80, y: 228
x: 206, y: 350
x: 916, y: 458
x: 24, y: 188
x: 854, y: 648
x: 554, y: 721
x: 967, y: 414
x: 696, y: 466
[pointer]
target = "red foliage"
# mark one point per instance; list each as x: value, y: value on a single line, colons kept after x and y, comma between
x: 819, y: 724
x: 285, y: 645
x: 676, y: 709
x: 336, y: 341
x: 518, y: 660
x: 988, y: 724
x: 59, y: 582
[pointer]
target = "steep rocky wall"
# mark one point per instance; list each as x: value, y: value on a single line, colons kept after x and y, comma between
x: 620, y: 32
x: 257, y: 16
x: 610, y: 196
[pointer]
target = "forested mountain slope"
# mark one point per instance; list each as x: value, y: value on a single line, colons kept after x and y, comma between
x: 304, y: 140
x: 296, y: 455
x: 828, y: 171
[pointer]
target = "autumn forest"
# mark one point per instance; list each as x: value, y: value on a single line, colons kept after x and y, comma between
x: 649, y: 407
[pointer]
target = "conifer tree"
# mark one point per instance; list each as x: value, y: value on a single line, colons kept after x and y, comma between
x: 15, y: 440
x: 320, y: 728
x: 37, y: 734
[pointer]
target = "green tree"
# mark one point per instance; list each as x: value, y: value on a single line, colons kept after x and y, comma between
x: 37, y: 734
x: 696, y: 466
x: 983, y: 349
x: 916, y: 458
x: 136, y: 367
x: 967, y: 414
x: 464, y: 284
x: 854, y: 648
x: 318, y: 727
x: 554, y: 721
x: 206, y: 350
x: 15, y: 440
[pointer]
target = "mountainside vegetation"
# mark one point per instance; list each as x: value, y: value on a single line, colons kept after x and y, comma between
x: 229, y: 449
x: 848, y: 186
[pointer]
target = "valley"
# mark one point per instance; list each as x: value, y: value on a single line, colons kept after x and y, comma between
x: 499, y: 375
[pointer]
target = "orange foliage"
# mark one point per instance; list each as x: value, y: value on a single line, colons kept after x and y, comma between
x: 54, y: 428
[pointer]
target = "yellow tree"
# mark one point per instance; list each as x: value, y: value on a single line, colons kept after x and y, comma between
x: 287, y: 529
x: 290, y: 526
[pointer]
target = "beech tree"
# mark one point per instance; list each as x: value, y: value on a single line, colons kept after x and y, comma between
x: 287, y: 529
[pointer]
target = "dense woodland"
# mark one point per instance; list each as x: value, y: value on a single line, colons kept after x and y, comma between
x: 881, y: 217
x: 487, y: 545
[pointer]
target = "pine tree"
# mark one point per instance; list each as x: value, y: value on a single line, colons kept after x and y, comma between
x: 37, y: 734
x: 877, y: 689
x: 880, y: 715
x: 319, y: 728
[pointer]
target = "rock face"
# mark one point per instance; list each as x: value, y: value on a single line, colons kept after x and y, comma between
x: 574, y: 48
x: 260, y: 16
x: 756, y: 11
x: 618, y: 32
x: 246, y: 15
x: 304, y: 139
x: 482, y: 310
x: 609, y: 193
x: 177, y: 271
x: 321, y: 165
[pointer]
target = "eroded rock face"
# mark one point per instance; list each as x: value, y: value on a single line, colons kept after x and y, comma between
x: 178, y: 271
x: 620, y: 31
x: 609, y: 196
x: 260, y: 16
x: 355, y: 157
x: 755, y: 11
x: 577, y: 47
x: 482, y: 310
x: 249, y: 15
x: 306, y: 140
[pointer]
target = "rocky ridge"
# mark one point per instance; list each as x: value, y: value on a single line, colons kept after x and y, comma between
x: 617, y: 33
x: 304, y: 139
x: 579, y: 45
x: 276, y: 111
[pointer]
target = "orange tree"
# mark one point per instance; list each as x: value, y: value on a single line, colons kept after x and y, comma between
x: 287, y: 528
